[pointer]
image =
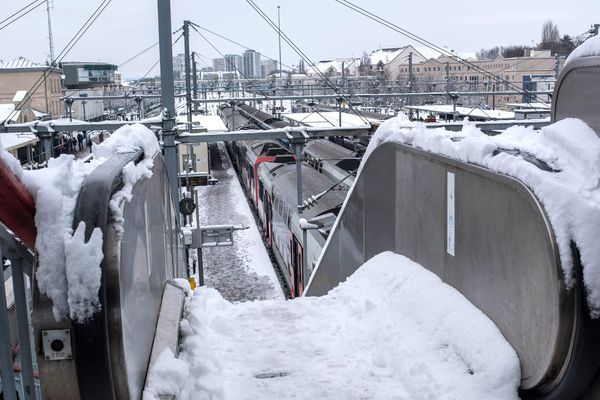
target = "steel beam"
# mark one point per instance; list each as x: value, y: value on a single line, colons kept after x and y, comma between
x: 362, y: 95
x: 6, y: 364
x: 256, y: 134
x: 168, y: 98
x: 23, y: 328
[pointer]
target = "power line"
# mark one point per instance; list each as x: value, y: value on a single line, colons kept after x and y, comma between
x: 84, y: 28
x: 418, y: 39
x: 238, y: 44
x: 143, y: 51
x: 249, y: 81
x: 139, y: 81
x: 22, y: 13
x: 297, y: 50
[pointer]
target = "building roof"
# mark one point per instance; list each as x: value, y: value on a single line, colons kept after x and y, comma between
x: 13, y: 141
x: 19, y: 96
x: 385, y: 55
x: 6, y: 110
x: 474, y: 112
x: 22, y: 63
x: 325, y: 65
x: 325, y: 119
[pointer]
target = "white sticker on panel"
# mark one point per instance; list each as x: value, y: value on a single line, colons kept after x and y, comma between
x: 451, y: 216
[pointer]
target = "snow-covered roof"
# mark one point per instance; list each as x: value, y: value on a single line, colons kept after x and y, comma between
x: 536, y: 106
x: 19, y: 96
x: 212, y: 123
x: 6, y: 110
x: 385, y: 55
x: 474, y: 112
x: 428, y: 53
x: 13, y: 141
x: 20, y: 63
x: 324, y: 66
x: 325, y: 119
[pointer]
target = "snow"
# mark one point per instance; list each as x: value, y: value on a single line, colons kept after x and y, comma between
x: 14, y: 141
x: 166, y: 376
x: 68, y: 270
x: 128, y: 139
x: 589, y: 48
x: 54, y: 190
x: 243, y: 271
x: 570, y: 193
x: 83, y: 273
x: 304, y: 224
x: 393, y: 330
x: 475, y: 112
x: 327, y: 119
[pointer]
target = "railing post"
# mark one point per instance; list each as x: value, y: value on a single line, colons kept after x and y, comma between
x: 23, y: 328
x: 6, y: 363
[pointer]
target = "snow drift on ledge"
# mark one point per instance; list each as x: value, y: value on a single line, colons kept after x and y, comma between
x: 393, y: 330
x: 69, y: 268
x: 589, y: 48
x: 570, y: 194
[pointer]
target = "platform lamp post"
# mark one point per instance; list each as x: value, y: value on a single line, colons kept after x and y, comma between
x: 138, y: 101
x: 69, y: 104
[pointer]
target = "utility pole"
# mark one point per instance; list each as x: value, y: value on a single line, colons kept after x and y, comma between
x: 556, y: 66
x: 340, y: 99
x: 188, y: 84
x: 168, y: 96
x: 50, y: 40
x: 279, y: 32
x: 410, y: 80
x: 195, y: 81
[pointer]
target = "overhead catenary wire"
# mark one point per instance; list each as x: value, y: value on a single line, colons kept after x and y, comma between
x: 238, y: 44
x: 306, y: 59
x: 78, y: 35
x: 418, y: 39
x: 144, y: 51
x: 20, y: 13
x: 249, y: 81
x: 139, y: 81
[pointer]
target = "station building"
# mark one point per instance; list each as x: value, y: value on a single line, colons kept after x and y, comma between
x: 89, y: 79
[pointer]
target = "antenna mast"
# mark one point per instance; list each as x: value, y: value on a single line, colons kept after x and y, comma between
x: 48, y: 6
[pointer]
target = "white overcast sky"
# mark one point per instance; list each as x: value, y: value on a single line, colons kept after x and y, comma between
x: 323, y: 29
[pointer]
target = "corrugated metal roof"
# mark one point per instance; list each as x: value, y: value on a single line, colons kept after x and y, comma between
x: 20, y: 63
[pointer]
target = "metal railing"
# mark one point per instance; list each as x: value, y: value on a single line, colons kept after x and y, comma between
x: 18, y: 367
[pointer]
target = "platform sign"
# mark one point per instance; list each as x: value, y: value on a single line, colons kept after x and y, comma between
x: 451, y: 215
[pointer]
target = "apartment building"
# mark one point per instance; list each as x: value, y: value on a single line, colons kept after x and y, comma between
x: 22, y: 74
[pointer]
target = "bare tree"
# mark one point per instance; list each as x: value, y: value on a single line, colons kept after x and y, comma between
x: 550, y: 33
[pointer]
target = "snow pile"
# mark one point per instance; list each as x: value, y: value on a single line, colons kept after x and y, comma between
x: 392, y: 330
x: 570, y: 193
x: 69, y: 271
x: 83, y: 273
x: 55, y: 191
x: 166, y: 377
x: 128, y: 139
x: 589, y: 48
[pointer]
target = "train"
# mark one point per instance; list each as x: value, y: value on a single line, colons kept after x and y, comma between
x: 267, y: 171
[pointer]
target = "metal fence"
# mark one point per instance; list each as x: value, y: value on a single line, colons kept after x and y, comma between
x: 18, y: 367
